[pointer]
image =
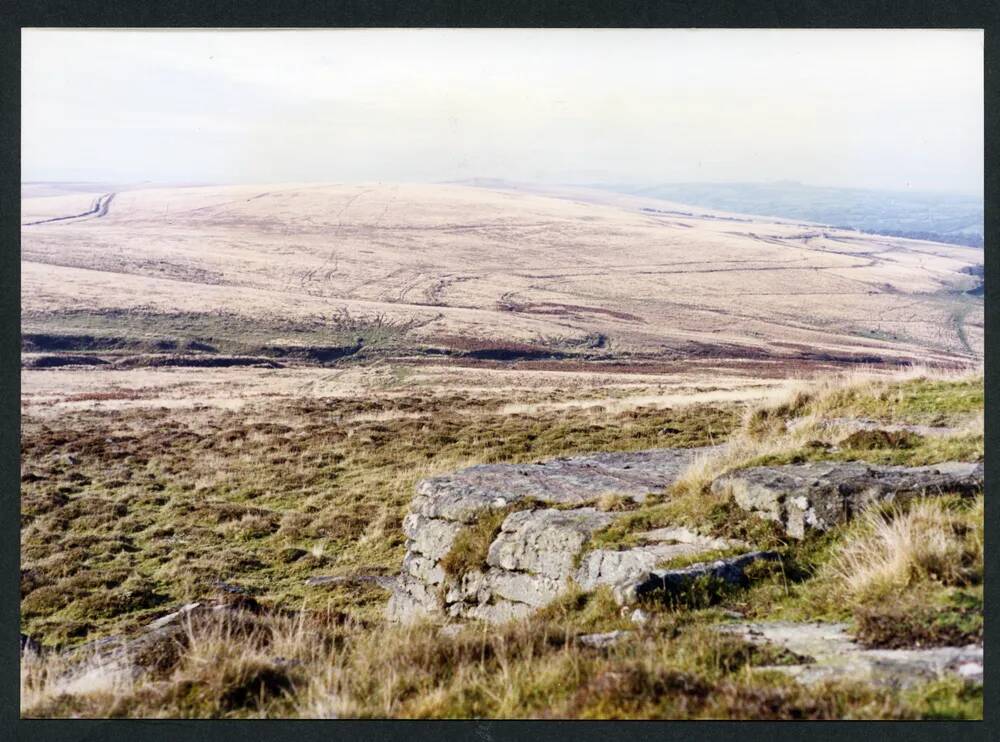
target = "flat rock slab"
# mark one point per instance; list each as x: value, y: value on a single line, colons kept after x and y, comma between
x: 462, y: 495
x: 821, y: 495
x: 834, y: 655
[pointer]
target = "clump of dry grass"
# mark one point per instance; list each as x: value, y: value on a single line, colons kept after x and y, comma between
x: 274, y: 665
x: 468, y: 551
x: 892, y: 550
x: 52, y: 681
x: 611, y: 502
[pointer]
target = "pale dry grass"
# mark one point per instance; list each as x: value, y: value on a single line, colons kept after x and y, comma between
x: 895, y: 549
x: 44, y: 678
x: 273, y: 666
x: 474, y: 262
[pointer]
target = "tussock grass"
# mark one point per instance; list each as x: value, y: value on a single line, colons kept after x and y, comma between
x: 469, y: 550
x: 235, y: 665
x: 891, y: 550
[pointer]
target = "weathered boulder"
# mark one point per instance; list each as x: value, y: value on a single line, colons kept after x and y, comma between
x: 478, y: 587
x: 537, y: 553
x: 424, y: 569
x: 613, y: 567
x: 820, y: 495
x: 497, y: 612
x: 431, y: 537
x: 412, y: 600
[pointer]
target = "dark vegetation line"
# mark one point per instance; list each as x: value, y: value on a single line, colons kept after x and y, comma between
x: 965, y: 240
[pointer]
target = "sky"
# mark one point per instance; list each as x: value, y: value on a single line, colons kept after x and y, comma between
x: 900, y: 110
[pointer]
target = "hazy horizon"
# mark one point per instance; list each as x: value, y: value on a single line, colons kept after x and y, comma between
x: 866, y: 109
x: 182, y: 183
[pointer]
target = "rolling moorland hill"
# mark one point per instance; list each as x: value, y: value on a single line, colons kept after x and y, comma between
x: 494, y: 273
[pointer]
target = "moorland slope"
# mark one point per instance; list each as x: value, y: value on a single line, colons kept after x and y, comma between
x: 523, y: 274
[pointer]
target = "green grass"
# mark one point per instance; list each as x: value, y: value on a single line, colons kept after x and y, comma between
x: 940, y: 616
x: 469, y: 549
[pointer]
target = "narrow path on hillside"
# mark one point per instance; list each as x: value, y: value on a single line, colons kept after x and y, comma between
x: 98, y: 209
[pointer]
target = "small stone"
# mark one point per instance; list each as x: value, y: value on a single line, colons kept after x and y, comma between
x: 229, y: 588
x: 639, y: 617
x: 602, y: 641
x: 173, y: 617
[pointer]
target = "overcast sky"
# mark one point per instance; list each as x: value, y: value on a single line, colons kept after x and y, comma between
x: 879, y: 109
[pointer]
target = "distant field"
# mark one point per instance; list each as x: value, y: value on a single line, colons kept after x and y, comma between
x: 951, y: 217
x: 482, y: 275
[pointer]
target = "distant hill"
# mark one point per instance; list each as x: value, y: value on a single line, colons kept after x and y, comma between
x: 500, y: 273
x: 942, y: 217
